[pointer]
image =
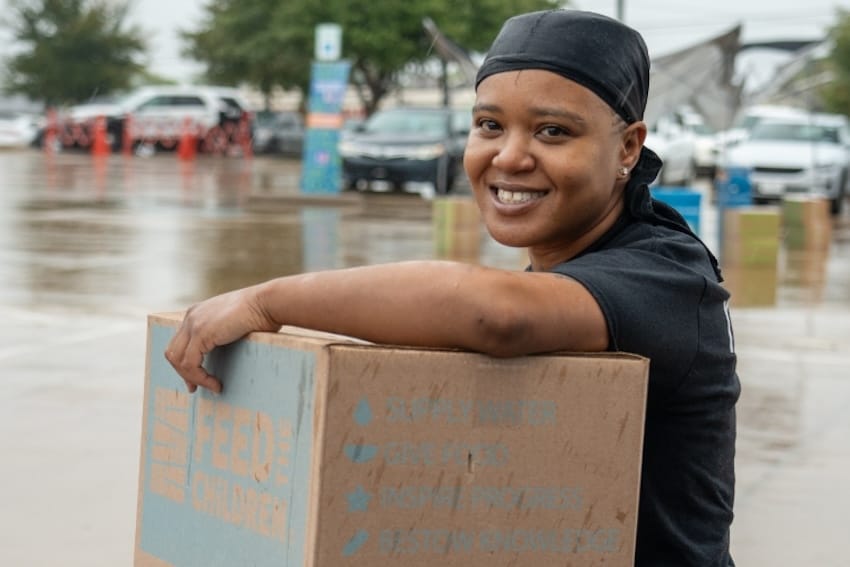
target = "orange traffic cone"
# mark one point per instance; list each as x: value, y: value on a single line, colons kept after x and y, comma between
x: 100, y: 145
x: 127, y: 136
x: 48, y: 143
x: 188, y: 146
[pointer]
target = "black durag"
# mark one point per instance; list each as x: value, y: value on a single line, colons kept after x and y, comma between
x: 608, y: 58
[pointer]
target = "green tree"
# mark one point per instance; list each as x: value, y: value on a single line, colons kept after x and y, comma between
x: 267, y: 43
x: 71, y: 50
x: 836, y: 93
x: 258, y: 42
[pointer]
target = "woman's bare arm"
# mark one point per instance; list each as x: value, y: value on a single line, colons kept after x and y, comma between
x: 427, y: 303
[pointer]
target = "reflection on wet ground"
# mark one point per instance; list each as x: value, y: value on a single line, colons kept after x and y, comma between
x: 88, y: 248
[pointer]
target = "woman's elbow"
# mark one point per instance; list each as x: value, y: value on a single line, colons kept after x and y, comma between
x: 501, y: 335
x: 510, y: 333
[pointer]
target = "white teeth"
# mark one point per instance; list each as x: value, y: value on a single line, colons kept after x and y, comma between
x: 514, y: 197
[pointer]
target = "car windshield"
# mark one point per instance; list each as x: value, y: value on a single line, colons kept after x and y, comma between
x: 266, y: 118
x: 414, y: 122
x: 702, y: 129
x: 796, y: 132
x: 748, y: 122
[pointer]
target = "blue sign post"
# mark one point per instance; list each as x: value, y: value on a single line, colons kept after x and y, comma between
x: 322, y: 168
x: 734, y: 190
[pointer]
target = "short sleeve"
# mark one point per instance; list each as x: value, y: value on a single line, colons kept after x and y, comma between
x: 650, y: 293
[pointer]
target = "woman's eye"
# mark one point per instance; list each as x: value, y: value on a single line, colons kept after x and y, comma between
x: 488, y: 125
x: 554, y: 132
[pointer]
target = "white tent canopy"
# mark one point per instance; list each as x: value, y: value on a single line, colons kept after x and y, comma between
x: 701, y: 77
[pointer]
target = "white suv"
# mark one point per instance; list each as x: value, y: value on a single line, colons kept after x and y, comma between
x: 159, y: 114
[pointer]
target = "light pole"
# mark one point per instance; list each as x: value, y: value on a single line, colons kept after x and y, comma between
x: 621, y: 10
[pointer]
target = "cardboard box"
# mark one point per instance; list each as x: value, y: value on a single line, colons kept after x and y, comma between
x: 457, y: 228
x: 807, y: 222
x: 327, y: 452
x: 750, y: 237
x: 804, y: 275
x: 752, y: 286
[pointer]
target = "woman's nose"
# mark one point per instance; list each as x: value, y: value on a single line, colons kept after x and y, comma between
x: 514, y: 155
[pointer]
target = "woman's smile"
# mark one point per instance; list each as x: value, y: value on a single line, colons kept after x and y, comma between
x: 515, y: 198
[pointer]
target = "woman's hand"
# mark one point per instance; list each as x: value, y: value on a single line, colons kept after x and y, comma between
x: 215, y: 322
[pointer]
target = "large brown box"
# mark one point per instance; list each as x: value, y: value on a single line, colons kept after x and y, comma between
x: 751, y: 237
x: 324, y: 451
x: 457, y: 228
x: 752, y: 286
x: 807, y: 222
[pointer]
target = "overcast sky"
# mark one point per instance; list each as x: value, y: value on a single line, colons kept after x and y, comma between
x: 667, y: 25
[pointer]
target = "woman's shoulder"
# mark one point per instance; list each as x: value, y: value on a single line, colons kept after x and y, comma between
x: 641, y: 242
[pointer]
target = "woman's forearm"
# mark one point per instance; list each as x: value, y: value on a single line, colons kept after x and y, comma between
x: 427, y: 303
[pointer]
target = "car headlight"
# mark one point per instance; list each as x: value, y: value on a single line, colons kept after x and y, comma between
x: 431, y: 151
x: 347, y: 149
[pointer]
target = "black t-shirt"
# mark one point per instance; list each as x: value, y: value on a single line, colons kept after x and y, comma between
x: 659, y: 291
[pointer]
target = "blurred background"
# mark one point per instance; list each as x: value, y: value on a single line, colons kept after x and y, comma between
x: 155, y: 153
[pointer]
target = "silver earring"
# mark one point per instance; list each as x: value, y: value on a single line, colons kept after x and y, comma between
x: 623, y: 171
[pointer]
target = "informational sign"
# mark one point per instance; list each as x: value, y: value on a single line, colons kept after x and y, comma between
x: 328, y: 42
x: 321, y: 172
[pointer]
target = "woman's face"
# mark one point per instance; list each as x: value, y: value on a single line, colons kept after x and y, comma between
x: 543, y: 158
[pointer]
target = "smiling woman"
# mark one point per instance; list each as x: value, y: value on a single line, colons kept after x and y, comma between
x: 557, y: 164
x: 547, y: 148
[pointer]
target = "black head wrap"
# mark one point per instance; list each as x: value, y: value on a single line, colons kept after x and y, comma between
x: 595, y: 51
x: 604, y: 56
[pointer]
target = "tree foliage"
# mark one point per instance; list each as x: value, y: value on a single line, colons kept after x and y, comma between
x: 259, y: 42
x: 836, y: 94
x: 71, y: 50
x: 267, y: 43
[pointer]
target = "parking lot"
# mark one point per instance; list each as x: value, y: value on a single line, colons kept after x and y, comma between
x: 89, y: 247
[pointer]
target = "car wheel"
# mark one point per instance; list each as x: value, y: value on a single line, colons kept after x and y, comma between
x: 837, y: 203
x: 454, y: 169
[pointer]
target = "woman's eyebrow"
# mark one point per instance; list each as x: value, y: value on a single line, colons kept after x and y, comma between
x: 558, y: 112
x: 537, y: 111
x: 484, y: 107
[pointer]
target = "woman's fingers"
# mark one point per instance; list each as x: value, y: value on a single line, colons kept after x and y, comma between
x: 217, y: 321
x: 186, y: 355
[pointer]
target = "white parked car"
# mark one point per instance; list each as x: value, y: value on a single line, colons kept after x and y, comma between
x: 18, y: 129
x: 706, y: 148
x: 158, y: 116
x: 752, y: 116
x: 808, y: 154
x: 674, y: 144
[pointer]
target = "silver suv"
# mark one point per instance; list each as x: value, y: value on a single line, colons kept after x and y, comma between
x: 158, y: 115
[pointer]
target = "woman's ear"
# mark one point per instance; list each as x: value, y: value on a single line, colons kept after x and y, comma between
x: 633, y: 137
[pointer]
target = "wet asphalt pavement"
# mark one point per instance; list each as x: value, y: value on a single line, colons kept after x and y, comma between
x: 89, y: 248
